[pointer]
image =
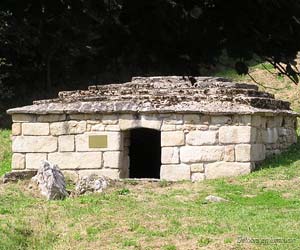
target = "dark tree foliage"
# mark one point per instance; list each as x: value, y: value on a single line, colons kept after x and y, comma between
x: 66, y: 44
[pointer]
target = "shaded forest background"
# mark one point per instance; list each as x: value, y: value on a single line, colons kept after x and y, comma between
x: 47, y: 46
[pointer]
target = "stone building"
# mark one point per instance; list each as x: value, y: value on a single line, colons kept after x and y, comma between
x: 170, y: 128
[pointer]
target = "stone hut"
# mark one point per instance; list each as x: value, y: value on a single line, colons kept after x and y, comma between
x: 170, y: 128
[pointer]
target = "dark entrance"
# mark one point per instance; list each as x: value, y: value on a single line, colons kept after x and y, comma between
x: 144, y: 153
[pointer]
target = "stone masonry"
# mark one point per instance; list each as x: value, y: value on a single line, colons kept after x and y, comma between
x: 226, y: 132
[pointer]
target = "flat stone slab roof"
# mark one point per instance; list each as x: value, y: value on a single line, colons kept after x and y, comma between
x: 163, y: 94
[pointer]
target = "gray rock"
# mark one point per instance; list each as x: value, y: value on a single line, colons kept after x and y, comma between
x: 91, y: 183
x: 212, y: 198
x: 51, y: 181
x: 18, y: 175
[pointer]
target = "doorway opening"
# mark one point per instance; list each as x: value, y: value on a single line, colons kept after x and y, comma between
x: 144, y: 153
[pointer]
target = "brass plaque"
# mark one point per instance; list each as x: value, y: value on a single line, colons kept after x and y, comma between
x: 98, y: 141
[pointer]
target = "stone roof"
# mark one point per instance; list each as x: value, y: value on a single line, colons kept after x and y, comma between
x: 208, y: 95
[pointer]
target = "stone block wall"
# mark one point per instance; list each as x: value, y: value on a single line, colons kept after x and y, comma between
x: 193, y: 146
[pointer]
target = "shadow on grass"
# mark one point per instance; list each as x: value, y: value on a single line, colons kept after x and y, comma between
x: 286, y: 158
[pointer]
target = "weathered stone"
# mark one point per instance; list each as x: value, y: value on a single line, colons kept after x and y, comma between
x: 66, y: 143
x: 59, y: 128
x: 283, y: 131
x: 237, y: 134
x: 91, y: 183
x: 213, y: 198
x: 34, y: 144
x: 173, y: 120
x: 98, y: 127
x: 23, y: 118
x: 195, y: 154
x: 221, y: 120
x: 34, y: 160
x: 76, y: 127
x: 51, y: 118
x: 70, y: 127
x: 197, y: 177
x: 256, y: 121
x: 168, y: 127
x: 229, y: 153
x: 172, y: 138
x: 278, y: 121
x: 250, y: 152
x: 150, y: 121
x: 270, y: 135
x: 51, y: 181
x: 114, y: 141
x: 18, y: 161
x: 112, y: 128
x: 108, y: 173
x: 16, y: 128
x: 199, y: 138
x: 243, y: 120
x: 191, y: 119
x: 37, y: 128
x: 175, y: 172
x: 85, y: 117
x: 197, y: 167
x: 128, y: 122
x: 112, y: 159
x: 205, y: 119
x: 75, y: 160
x: 213, y: 127
x: 110, y: 120
x: 226, y: 169
x: 169, y: 155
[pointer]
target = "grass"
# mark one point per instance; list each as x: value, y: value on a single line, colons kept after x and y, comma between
x: 268, y: 80
x: 263, y: 205
x: 5, y: 151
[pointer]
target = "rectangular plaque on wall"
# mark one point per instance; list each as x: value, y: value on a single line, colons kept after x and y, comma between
x: 98, y: 141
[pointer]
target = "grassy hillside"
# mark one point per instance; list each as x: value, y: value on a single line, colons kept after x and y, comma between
x: 268, y: 80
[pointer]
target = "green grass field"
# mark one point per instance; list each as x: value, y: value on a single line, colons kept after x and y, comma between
x: 263, y: 205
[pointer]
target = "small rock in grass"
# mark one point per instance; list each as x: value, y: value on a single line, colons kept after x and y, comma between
x: 91, y: 183
x: 212, y: 198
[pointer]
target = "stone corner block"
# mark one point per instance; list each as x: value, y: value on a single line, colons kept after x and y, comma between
x: 34, y: 144
x: 16, y: 128
x: 250, y: 152
x: 18, y: 161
